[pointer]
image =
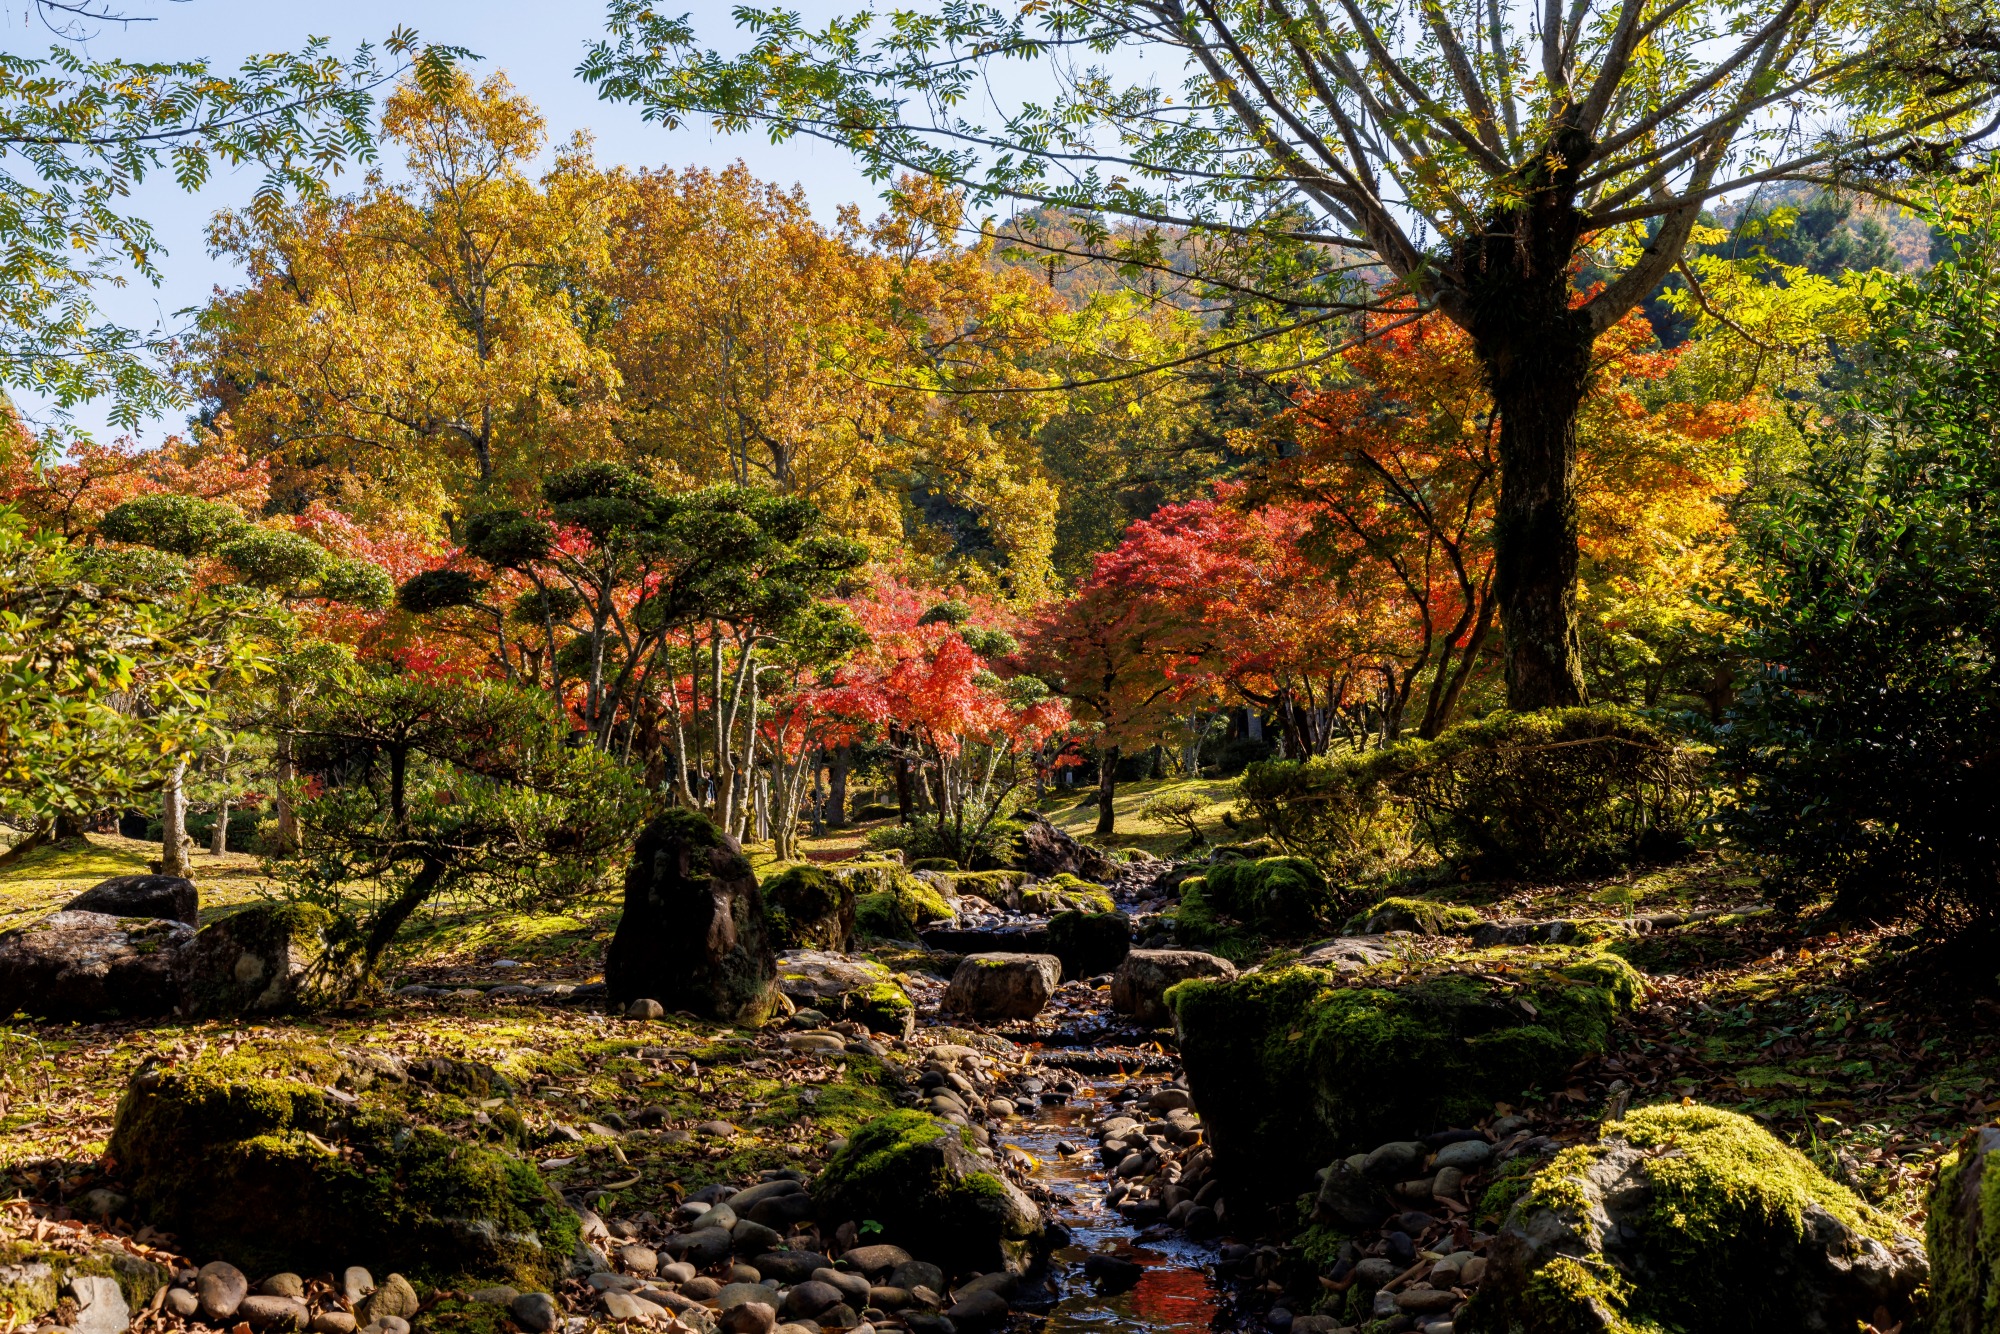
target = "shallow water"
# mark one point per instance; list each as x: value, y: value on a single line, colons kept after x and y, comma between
x: 1175, y: 1295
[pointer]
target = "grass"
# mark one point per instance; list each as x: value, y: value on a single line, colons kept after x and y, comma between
x: 48, y: 877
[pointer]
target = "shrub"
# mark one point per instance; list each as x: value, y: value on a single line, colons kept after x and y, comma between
x: 873, y: 810
x: 927, y: 840
x: 1550, y: 793
x: 1864, y: 748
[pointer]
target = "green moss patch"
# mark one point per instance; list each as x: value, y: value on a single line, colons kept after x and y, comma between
x: 808, y: 908
x: 1424, y: 916
x: 902, y: 905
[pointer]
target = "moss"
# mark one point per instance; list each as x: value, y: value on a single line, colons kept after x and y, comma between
x: 1506, y: 1187
x: 1424, y: 916
x: 241, y: 1157
x: 266, y: 957
x: 1197, y: 927
x: 1962, y: 1237
x: 1066, y: 893
x: 881, y: 1007
x: 896, y: 911
x: 1001, y: 888
x: 808, y: 908
x: 1295, y: 1066
x: 920, y: 1182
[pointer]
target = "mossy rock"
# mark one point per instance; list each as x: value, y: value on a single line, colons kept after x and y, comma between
x: 1423, y: 916
x: 1089, y: 943
x: 848, y: 988
x: 809, y: 908
x: 944, y: 864
x: 32, y: 1276
x: 249, y: 1156
x: 1279, y: 896
x: 1297, y: 1066
x: 1962, y: 1232
x: 919, y: 1179
x: 903, y: 904
x: 1197, y: 926
x: 266, y: 958
x: 1000, y: 888
x: 1066, y: 893
x: 693, y: 935
x: 1684, y: 1217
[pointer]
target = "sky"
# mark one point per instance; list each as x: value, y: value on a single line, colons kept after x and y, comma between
x: 538, y: 43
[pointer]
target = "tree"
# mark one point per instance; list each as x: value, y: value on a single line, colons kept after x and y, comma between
x: 1477, y: 151
x: 468, y: 788
x: 91, y: 130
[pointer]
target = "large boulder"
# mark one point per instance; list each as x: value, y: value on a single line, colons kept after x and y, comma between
x: 892, y: 903
x: 1089, y: 943
x: 919, y: 1178
x: 693, y: 935
x: 1962, y: 1235
x: 1045, y: 850
x: 809, y: 908
x: 1297, y: 1066
x: 860, y: 990
x: 1003, y: 986
x: 89, y: 965
x: 265, y: 958
x: 291, y: 1156
x: 1139, y: 987
x: 170, y: 898
x: 1066, y: 893
x: 1689, y: 1217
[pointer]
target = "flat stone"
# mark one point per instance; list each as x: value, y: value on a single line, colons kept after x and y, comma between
x: 535, y: 1312
x: 1467, y: 1155
x: 394, y: 1298
x: 877, y: 1259
x: 334, y: 1322
x: 171, y: 897
x: 283, y: 1285
x: 810, y: 1298
x: 914, y: 1274
x: 101, y: 1307
x: 750, y: 1318
x: 221, y: 1288
x: 274, y: 1312
x: 639, y: 1259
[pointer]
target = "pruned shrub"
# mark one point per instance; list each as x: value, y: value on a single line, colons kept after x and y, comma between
x: 1512, y: 794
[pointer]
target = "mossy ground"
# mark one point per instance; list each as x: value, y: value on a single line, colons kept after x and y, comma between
x: 46, y: 878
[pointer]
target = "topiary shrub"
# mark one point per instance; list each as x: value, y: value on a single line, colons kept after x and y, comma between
x: 1294, y: 1067
x: 1513, y: 794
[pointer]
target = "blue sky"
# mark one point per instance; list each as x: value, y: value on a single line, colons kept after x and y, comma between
x: 536, y: 42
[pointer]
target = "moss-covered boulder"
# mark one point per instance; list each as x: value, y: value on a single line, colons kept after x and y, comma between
x: 262, y: 959
x: 847, y: 988
x: 33, y: 1275
x: 1297, y: 1066
x: 900, y: 906
x: 1002, y: 889
x: 1425, y: 917
x: 289, y: 1156
x: 1140, y: 986
x: 1089, y: 943
x: 1066, y: 893
x: 920, y: 1179
x: 1962, y: 1233
x: 1694, y: 1218
x: 1280, y: 896
x: 809, y: 908
x: 693, y: 935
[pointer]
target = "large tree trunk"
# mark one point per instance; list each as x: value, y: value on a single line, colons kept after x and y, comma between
x: 838, y: 762
x: 1535, y: 347
x: 1107, y: 787
x: 174, y: 841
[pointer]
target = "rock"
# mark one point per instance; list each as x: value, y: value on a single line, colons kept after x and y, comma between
x: 390, y: 1324
x: 170, y: 898
x: 248, y: 1153
x: 790, y: 1266
x: 355, y: 1283
x: 1467, y: 1155
x: 1373, y: 1272
x: 752, y: 1290
x: 1089, y: 943
x: 1045, y: 850
x: 645, y: 1008
x: 282, y: 1285
x: 1448, y: 1184
x: 624, y: 1306
x: 859, y: 990
x: 1963, y: 1236
x: 914, y: 1274
x: 494, y: 1296
x: 916, y: 1176
x: 1140, y: 983
x: 535, y: 1312
x: 701, y: 1247
x: 1691, y: 1217
x: 750, y: 1318
x: 1390, y: 1161
x: 1112, y: 1273
x: 88, y: 965
x: 264, y: 1312
x: 1349, y: 1198
x: 220, y: 1287
x: 103, y: 1204
x: 395, y: 1297
x: 333, y: 1322
x: 693, y: 933
x: 853, y: 1288
x: 875, y: 1260
x: 838, y: 1316
x: 1426, y: 1301
x: 262, y: 959
x: 182, y: 1304
x: 983, y: 1309
x: 809, y: 908
x: 1003, y: 986
x: 100, y: 1306
x: 1291, y: 1070
x: 810, y: 1298
x: 1526, y: 931
x: 1423, y: 917
x: 750, y: 1238
x: 1347, y: 954
x: 702, y: 1288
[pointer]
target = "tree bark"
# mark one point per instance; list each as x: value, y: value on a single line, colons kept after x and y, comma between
x: 218, y: 840
x: 837, y: 763
x: 1107, y: 787
x: 173, y: 822
x: 288, y: 818
x: 1535, y: 347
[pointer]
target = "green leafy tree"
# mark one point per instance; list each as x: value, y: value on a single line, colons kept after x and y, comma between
x: 1867, y: 746
x: 110, y: 661
x: 81, y: 133
x: 467, y: 789
x: 1476, y: 151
